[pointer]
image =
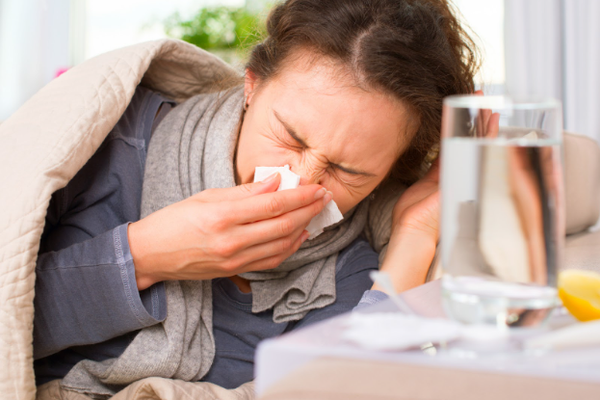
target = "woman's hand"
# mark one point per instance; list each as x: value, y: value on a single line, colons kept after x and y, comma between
x: 415, y: 230
x: 415, y: 233
x: 418, y: 209
x: 223, y: 232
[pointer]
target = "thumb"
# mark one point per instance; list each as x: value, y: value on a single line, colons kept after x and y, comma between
x: 268, y: 185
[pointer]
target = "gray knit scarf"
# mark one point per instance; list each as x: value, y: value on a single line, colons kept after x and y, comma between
x: 192, y: 150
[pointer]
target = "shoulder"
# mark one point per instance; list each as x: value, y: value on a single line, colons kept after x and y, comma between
x: 135, y: 125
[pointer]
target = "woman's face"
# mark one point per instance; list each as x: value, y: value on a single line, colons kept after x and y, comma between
x: 328, y: 130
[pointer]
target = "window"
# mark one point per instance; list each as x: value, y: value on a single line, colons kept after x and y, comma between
x: 486, y: 19
x: 112, y: 24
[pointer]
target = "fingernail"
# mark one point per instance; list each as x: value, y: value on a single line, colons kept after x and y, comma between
x: 327, y: 198
x: 270, y: 178
x: 305, y: 236
x: 320, y: 193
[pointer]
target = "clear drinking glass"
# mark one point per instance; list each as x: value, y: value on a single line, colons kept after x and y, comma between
x: 502, y: 217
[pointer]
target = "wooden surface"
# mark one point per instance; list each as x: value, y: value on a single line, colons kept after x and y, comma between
x: 331, y: 378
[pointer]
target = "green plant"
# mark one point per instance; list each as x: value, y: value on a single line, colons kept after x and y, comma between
x: 219, y: 29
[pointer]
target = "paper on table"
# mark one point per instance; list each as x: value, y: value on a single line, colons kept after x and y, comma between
x: 289, y: 180
x: 397, y: 331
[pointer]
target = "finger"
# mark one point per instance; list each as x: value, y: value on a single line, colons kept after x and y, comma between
x: 433, y: 173
x: 482, y: 122
x: 271, y: 255
x: 269, y: 185
x: 291, y: 223
x: 483, y: 119
x: 271, y: 205
x: 487, y: 114
x: 493, y: 126
x: 478, y: 124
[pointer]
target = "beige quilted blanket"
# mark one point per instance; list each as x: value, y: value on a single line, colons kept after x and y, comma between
x: 46, y: 142
x: 51, y: 137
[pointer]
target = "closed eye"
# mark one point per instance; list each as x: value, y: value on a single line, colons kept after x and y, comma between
x: 347, y: 178
x: 288, y: 140
x: 353, y: 171
x: 295, y: 141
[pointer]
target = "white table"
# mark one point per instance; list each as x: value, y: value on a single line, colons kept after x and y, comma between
x: 278, y: 358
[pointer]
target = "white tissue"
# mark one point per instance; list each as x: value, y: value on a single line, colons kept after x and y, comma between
x: 289, y: 180
x: 330, y: 215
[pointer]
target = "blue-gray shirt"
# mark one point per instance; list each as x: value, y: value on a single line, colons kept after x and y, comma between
x: 87, y: 305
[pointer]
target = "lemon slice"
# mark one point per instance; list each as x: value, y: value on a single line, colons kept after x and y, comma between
x: 580, y: 293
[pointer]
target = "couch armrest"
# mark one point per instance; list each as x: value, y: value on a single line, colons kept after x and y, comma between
x: 582, y: 203
x: 582, y: 251
x: 582, y: 182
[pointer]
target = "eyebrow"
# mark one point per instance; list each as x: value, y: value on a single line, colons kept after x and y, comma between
x: 290, y: 130
x: 295, y: 136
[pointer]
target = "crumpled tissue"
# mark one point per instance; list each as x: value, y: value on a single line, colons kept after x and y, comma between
x: 289, y: 180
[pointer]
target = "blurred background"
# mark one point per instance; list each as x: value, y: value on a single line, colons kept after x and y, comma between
x: 543, y: 47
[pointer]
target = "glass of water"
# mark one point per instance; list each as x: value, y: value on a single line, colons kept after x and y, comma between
x: 502, y: 217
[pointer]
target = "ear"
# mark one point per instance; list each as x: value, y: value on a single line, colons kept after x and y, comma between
x: 250, y: 84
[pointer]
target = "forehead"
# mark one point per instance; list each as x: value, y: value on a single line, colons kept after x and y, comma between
x: 324, y: 105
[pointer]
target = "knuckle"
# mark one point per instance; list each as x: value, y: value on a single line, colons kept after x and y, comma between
x: 207, y: 194
x: 231, y: 265
x: 246, y: 188
x: 219, y: 221
x: 286, y: 244
x: 226, y: 219
x: 218, y: 225
x: 273, y: 262
x: 226, y: 250
x: 275, y: 206
x: 286, y: 226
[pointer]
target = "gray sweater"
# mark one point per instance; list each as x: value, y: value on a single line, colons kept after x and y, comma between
x: 87, y: 305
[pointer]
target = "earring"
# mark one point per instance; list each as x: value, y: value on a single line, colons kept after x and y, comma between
x: 245, y: 102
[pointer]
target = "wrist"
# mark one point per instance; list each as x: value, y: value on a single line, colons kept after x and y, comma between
x: 407, y: 228
x: 408, y: 258
x: 139, y: 252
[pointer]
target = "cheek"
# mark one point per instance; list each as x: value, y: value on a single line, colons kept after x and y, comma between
x: 347, y: 197
x: 344, y: 199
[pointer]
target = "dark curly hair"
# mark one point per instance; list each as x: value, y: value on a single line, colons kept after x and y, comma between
x: 415, y: 50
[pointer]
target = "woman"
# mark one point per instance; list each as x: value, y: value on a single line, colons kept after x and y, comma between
x: 349, y: 94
